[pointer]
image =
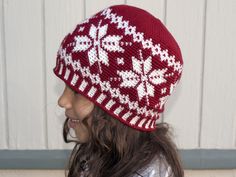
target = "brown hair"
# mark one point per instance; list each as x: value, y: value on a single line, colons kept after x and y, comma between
x: 116, y: 150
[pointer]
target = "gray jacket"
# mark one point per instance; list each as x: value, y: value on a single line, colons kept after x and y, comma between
x: 156, y: 168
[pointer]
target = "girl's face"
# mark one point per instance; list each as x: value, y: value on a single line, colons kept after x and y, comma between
x: 77, y: 107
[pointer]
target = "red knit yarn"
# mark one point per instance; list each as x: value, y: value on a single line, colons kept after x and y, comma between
x: 125, y: 61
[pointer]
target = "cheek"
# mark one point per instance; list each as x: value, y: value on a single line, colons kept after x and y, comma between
x: 82, y: 108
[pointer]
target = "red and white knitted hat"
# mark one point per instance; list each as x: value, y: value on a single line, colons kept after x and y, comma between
x: 125, y: 61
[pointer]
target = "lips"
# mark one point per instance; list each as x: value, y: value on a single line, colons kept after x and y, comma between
x: 74, y: 120
x: 72, y: 123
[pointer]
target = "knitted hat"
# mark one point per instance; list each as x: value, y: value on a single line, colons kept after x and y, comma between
x: 125, y: 61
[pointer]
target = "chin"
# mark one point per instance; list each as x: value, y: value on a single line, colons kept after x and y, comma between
x: 82, y: 139
x: 82, y: 135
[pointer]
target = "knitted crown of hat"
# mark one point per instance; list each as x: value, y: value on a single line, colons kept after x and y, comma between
x: 125, y: 61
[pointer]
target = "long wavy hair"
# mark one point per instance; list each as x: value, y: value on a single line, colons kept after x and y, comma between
x: 116, y: 150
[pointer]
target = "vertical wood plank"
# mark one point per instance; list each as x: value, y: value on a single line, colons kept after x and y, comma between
x: 155, y: 7
x: 219, y: 98
x: 23, y: 34
x: 61, y: 17
x: 185, y: 20
x: 93, y: 7
x: 3, y: 99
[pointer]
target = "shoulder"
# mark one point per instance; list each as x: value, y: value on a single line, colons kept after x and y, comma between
x: 158, y: 167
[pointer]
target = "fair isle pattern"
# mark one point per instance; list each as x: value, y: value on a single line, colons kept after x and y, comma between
x: 123, y: 99
x: 145, y: 85
x: 98, y: 53
x: 114, y: 65
x: 141, y: 76
x: 139, y: 37
x: 104, y: 85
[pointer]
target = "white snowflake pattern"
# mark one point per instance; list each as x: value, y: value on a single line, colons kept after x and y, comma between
x: 143, y: 77
x: 101, y: 44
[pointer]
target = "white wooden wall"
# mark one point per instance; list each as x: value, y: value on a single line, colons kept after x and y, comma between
x: 202, y: 110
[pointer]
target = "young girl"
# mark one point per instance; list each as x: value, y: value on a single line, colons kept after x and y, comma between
x: 119, y: 67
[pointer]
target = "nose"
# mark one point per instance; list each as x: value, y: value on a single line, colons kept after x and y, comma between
x: 65, y: 100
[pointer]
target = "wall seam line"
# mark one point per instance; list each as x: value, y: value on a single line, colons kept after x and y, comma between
x: 164, y: 21
x: 165, y: 12
x: 44, y: 73
x: 203, y: 72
